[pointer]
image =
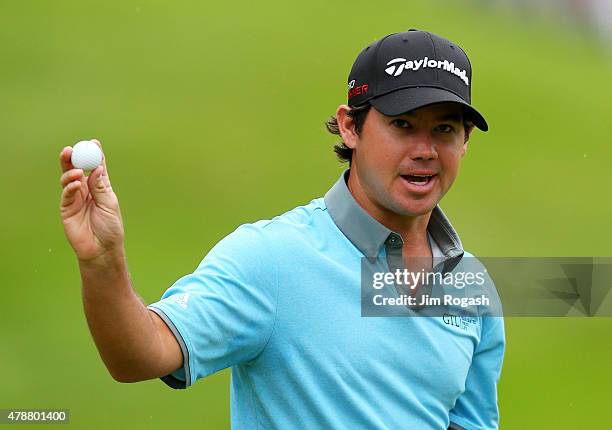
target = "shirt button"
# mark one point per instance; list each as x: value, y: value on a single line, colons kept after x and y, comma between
x: 395, y: 240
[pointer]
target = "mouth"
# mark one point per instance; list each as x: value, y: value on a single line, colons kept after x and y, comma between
x: 418, y: 180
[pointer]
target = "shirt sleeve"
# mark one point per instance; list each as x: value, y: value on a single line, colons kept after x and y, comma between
x: 476, y: 408
x: 223, y: 313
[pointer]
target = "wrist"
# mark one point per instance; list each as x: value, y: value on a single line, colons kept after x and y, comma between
x: 109, y: 259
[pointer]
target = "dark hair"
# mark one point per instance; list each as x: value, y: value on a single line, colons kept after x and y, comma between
x: 359, y: 113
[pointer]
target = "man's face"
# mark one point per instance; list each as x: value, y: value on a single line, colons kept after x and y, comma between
x: 405, y: 164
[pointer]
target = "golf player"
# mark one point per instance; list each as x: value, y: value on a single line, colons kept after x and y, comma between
x: 279, y: 301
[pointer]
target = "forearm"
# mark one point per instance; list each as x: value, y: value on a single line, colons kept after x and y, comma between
x: 121, y: 325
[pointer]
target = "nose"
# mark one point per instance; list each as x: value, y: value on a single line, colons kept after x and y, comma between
x: 423, y: 148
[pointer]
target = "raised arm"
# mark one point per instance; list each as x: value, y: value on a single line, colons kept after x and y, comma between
x: 134, y: 343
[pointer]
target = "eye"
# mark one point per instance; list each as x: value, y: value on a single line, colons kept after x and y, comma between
x: 401, y: 123
x: 445, y: 128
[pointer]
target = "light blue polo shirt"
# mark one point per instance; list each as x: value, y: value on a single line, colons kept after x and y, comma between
x: 279, y: 301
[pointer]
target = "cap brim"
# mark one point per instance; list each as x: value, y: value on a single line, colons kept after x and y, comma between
x: 407, y: 99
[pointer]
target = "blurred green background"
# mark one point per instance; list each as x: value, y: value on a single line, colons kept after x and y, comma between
x: 211, y: 115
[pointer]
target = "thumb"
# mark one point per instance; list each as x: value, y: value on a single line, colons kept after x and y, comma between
x: 100, y: 188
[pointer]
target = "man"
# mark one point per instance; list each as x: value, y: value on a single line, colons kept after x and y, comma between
x: 279, y: 301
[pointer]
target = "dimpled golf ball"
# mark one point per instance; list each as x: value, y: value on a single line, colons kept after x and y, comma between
x: 86, y: 155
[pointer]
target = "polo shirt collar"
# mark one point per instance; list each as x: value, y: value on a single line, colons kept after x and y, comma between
x: 368, y: 235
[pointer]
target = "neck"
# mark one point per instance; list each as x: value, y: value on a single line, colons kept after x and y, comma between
x: 412, y: 229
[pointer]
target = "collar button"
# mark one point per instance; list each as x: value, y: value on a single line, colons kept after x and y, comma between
x: 394, y: 240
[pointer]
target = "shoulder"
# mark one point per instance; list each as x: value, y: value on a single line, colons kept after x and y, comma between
x: 472, y: 264
x: 293, y: 222
x: 483, y: 284
x: 296, y: 218
x: 258, y: 239
x: 469, y: 262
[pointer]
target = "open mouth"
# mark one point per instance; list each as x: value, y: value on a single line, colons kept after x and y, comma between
x: 418, y: 179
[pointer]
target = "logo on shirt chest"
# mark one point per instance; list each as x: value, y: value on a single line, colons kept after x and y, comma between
x: 463, y: 323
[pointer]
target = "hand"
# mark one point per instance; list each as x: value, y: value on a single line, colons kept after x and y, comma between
x: 89, y: 209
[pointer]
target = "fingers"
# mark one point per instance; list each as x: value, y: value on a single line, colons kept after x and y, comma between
x: 100, y: 189
x: 105, y: 172
x: 92, y: 180
x: 69, y: 193
x: 65, y: 161
x: 71, y: 175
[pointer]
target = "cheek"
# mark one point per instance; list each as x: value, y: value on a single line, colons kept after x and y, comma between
x: 450, y: 165
x: 381, y: 156
x: 379, y: 164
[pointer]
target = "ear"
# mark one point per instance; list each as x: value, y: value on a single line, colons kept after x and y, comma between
x: 468, y: 132
x: 346, y: 126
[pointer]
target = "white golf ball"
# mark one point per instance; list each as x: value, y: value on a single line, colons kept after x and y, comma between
x: 86, y: 155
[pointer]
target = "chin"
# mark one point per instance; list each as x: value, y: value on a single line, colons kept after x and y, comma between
x: 415, y: 208
x: 410, y: 203
x: 412, y: 206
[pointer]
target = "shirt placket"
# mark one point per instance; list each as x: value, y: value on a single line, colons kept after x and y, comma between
x: 393, y: 248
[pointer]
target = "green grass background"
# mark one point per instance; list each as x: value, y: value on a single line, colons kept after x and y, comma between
x: 211, y: 115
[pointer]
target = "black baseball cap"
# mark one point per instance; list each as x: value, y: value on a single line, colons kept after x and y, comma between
x: 405, y: 71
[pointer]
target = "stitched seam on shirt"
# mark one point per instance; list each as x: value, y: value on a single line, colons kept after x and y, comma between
x: 459, y: 421
x: 278, y: 217
x: 277, y: 294
x: 275, y: 303
x: 273, y: 329
x: 190, y: 376
x: 252, y: 390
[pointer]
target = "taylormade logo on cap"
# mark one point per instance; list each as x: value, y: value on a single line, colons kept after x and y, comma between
x: 398, y: 65
x: 402, y: 72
